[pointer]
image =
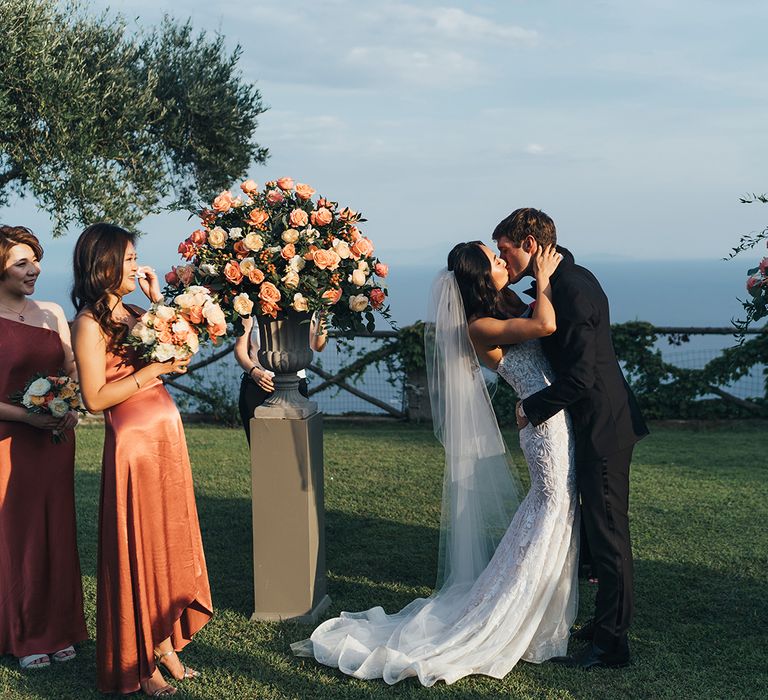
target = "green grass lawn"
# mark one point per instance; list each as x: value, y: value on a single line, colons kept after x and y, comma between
x: 700, y: 527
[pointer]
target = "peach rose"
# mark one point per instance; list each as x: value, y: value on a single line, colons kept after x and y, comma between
x: 193, y: 314
x: 321, y: 217
x: 363, y: 247
x: 299, y: 302
x: 381, y: 269
x: 223, y: 203
x: 216, y: 330
x: 253, y: 241
x: 275, y: 197
x: 198, y: 237
x: 165, y: 335
x: 377, y: 298
x: 354, y: 233
x: 187, y: 249
x: 326, y: 259
x: 290, y: 235
x: 269, y: 293
x: 241, y: 249
x: 304, y: 191
x: 310, y: 254
x: 217, y: 238
x: 255, y: 276
x: 288, y: 251
x: 257, y: 218
x: 332, y: 295
x: 298, y: 218
x: 285, y: 183
x: 358, y: 302
x: 249, y: 187
x: 172, y: 278
x: 242, y: 304
x: 269, y: 309
x: 232, y: 272
x: 186, y: 274
x: 357, y: 278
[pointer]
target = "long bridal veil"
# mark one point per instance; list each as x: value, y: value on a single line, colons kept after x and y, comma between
x: 480, y: 495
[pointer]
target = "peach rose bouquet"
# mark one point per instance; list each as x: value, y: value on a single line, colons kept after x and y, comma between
x: 174, y: 329
x: 57, y: 395
x: 267, y: 251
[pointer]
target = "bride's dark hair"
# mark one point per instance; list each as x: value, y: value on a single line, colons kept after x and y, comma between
x: 98, y: 271
x: 472, y: 270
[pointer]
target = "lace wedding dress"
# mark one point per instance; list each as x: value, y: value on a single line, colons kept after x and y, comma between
x: 520, y: 606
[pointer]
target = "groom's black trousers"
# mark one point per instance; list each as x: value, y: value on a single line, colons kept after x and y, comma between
x: 604, y: 487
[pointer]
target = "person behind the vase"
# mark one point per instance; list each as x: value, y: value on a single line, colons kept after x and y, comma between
x: 152, y: 584
x: 41, y: 595
x: 257, y: 384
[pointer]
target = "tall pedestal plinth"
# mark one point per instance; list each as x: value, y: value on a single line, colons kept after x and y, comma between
x: 288, y: 518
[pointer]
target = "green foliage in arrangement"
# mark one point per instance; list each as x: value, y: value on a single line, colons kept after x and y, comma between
x: 699, y: 504
x: 100, y: 122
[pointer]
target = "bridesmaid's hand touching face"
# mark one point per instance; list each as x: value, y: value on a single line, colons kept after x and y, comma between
x: 149, y: 283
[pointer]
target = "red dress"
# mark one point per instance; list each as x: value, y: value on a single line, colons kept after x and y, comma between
x: 152, y: 579
x: 41, y: 594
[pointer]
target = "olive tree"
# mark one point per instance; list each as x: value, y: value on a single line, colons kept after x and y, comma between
x: 100, y: 122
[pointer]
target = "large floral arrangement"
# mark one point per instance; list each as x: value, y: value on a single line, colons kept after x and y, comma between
x: 174, y: 329
x: 268, y: 251
x: 52, y: 394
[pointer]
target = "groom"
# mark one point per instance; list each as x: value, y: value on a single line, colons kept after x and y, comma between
x: 607, y: 423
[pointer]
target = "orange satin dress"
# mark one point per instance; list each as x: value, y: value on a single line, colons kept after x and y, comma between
x: 41, y: 593
x: 152, y: 579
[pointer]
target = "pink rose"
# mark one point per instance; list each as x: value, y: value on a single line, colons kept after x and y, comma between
x: 255, y: 276
x: 207, y: 217
x: 377, y: 297
x: 249, y: 187
x: 304, y: 191
x: 363, y: 247
x: 186, y: 274
x: 257, y: 218
x: 326, y: 259
x: 187, y: 249
x: 285, y: 183
x: 172, y: 278
x: 321, y: 217
x: 763, y: 266
x: 275, y: 197
x: 381, y: 269
x: 232, y: 272
x: 332, y: 296
x: 298, y: 218
x: 223, y: 203
x: 199, y: 237
x: 269, y: 293
x: 288, y: 251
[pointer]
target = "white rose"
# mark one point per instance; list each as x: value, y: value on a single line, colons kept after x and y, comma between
x: 291, y: 278
x: 40, y: 387
x: 58, y: 407
x: 363, y: 265
x: 198, y: 289
x: 181, y: 326
x: 208, y: 269
x: 235, y: 233
x: 164, y: 352
x: 212, y: 313
x: 217, y: 237
x: 242, y: 304
x: 310, y: 233
x: 166, y: 313
x: 144, y: 333
x: 28, y: 402
x: 253, y: 241
x: 359, y: 302
x: 297, y: 263
x: 357, y: 278
x: 193, y: 342
x: 290, y: 235
x: 183, y: 301
x: 299, y: 302
x: 246, y: 265
x: 341, y: 248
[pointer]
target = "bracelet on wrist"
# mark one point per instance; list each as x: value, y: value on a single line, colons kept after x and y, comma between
x: 136, y: 379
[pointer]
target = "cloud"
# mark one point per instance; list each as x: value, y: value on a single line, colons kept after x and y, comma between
x: 534, y: 149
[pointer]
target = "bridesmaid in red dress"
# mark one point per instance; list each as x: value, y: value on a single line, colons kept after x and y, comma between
x: 41, y: 594
x: 152, y: 588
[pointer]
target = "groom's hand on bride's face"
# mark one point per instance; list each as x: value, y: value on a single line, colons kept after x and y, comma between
x: 522, y: 419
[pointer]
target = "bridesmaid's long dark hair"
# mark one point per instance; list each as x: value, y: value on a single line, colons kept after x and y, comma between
x: 98, y: 271
x: 472, y: 270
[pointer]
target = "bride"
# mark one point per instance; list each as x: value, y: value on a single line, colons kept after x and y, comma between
x: 507, y: 575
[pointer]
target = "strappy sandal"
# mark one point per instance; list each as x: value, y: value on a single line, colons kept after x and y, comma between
x: 188, y: 672
x: 64, y: 655
x: 34, y: 662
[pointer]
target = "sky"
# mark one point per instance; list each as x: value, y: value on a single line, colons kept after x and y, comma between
x: 636, y: 125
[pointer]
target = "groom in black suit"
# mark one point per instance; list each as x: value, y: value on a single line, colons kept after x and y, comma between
x: 607, y: 423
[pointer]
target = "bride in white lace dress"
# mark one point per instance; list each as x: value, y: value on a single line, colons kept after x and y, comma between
x: 507, y: 583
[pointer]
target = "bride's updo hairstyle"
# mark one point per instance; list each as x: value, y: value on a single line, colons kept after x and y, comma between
x: 472, y: 270
x: 98, y: 272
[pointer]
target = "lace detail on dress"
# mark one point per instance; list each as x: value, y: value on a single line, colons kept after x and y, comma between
x: 520, y: 607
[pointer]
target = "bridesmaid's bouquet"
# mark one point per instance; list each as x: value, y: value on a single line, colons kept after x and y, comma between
x: 175, y: 329
x: 55, y: 395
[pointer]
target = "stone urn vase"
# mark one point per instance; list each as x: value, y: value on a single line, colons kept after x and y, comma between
x: 284, y: 349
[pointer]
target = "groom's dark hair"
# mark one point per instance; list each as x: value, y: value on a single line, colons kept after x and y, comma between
x: 527, y: 222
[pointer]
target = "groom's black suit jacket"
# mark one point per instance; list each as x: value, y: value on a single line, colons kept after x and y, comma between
x: 588, y: 380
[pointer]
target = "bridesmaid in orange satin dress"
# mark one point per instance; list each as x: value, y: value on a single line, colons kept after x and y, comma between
x: 41, y: 594
x: 152, y: 590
